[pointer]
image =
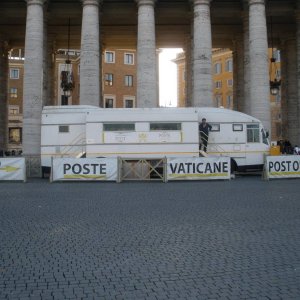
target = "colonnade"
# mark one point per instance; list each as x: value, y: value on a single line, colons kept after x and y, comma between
x: 250, y: 66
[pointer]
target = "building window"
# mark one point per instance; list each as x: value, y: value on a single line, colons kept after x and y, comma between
x: 14, y: 110
x: 218, y: 68
x: 218, y: 84
x: 129, y: 59
x: 109, y: 57
x: 278, y: 129
x: 229, y: 65
x: 218, y: 100
x: 230, y: 82
x: 14, y: 73
x: 128, y: 103
x: 109, y: 103
x: 109, y: 79
x: 128, y: 80
x: 276, y: 55
x: 278, y: 98
x: 228, y: 101
x: 13, y: 92
x: 15, y: 135
x: 64, y: 100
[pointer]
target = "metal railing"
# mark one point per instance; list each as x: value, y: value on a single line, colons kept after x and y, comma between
x: 76, y: 142
x: 217, y: 147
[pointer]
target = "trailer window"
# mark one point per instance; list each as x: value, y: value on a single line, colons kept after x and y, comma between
x: 253, y: 133
x: 237, y: 127
x: 63, y: 128
x: 119, y: 127
x: 215, y: 127
x: 165, y: 126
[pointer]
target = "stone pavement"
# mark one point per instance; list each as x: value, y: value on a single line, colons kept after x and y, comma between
x: 134, y: 240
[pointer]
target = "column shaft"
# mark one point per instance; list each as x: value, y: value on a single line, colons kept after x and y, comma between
x: 146, y: 55
x: 259, y: 63
x: 202, y: 54
x: 245, y: 105
x: 33, y: 78
x: 284, y: 110
x: 292, y: 92
x: 50, y: 99
x: 90, y: 54
x: 188, y: 76
x: 238, y: 75
x: 3, y: 96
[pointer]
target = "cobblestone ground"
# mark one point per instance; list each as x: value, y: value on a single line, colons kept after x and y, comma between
x: 184, y: 240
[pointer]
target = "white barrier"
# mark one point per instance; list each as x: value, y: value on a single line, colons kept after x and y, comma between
x: 13, y: 169
x: 287, y: 166
x: 96, y: 169
x: 198, y: 168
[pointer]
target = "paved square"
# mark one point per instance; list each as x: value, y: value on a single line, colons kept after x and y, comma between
x: 180, y: 240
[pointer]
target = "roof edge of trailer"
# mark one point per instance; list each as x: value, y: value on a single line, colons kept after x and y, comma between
x: 90, y: 108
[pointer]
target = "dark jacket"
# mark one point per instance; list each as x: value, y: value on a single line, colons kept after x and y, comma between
x: 204, y: 131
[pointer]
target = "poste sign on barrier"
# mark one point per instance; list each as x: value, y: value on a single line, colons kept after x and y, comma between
x: 12, y: 168
x: 98, y: 169
x: 287, y: 166
x: 198, y: 168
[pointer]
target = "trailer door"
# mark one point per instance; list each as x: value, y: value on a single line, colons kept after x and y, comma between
x: 254, y: 149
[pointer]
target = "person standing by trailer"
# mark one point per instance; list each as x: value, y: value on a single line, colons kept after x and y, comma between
x: 204, y: 129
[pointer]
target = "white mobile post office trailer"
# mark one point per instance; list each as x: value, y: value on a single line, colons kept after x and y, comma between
x: 87, y: 131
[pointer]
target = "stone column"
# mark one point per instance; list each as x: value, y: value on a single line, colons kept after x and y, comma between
x: 189, y: 52
x: 292, y: 92
x: 245, y: 107
x: 284, y: 110
x: 202, y: 54
x: 238, y: 75
x: 3, y: 95
x: 146, y: 55
x: 259, y: 63
x: 45, y: 59
x: 90, y: 54
x: 50, y: 99
x: 33, y: 83
x: 188, y: 76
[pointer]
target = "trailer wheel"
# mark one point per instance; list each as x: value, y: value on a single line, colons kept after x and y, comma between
x: 233, y: 166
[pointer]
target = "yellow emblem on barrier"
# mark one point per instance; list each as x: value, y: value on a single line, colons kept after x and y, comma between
x: 9, y: 169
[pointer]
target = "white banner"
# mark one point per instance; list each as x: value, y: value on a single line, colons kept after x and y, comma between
x: 198, y: 168
x: 287, y: 166
x: 98, y: 169
x: 142, y: 137
x: 12, y: 168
